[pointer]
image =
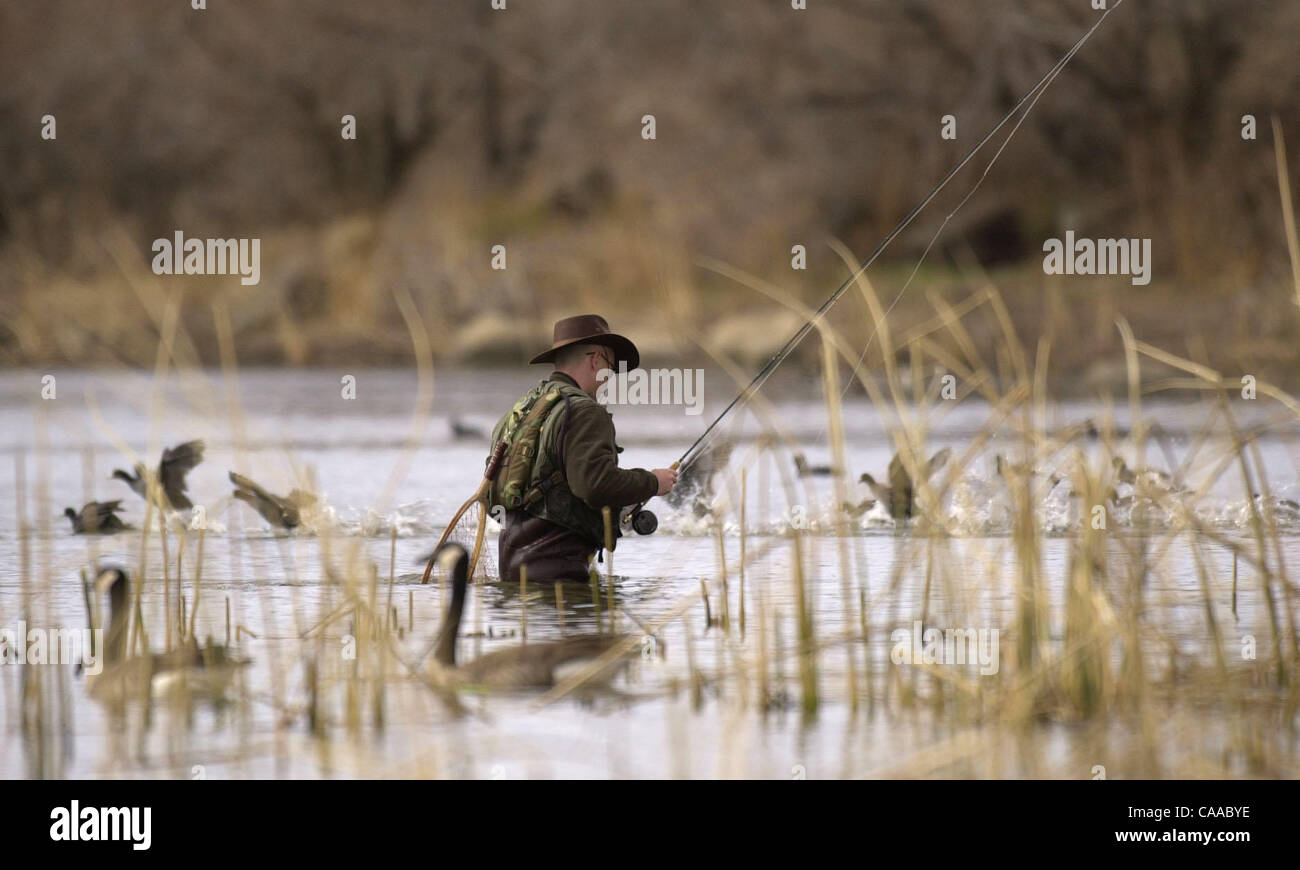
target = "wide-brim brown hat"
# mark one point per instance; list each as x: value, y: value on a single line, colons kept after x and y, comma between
x: 590, y: 329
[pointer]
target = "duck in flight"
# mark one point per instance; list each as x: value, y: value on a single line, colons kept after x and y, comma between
x: 97, y: 518
x: 205, y: 670
x: 529, y: 666
x: 176, y: 462
x: 282, y: 511
x: 899, y: 496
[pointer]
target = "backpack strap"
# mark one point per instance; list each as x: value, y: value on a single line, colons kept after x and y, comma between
x: 555, y: 474
x: 524, y: 448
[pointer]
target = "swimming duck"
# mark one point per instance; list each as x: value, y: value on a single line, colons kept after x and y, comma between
x: 805, y: 470
x: 1148, y: 483
x: 899, y: 496
x: 176, y: 462
x: 282, y: 511
x: 533, y: 665
x: 97, y: 518
x: 1283, y: 510
x: 1147, y: 477
x: 463, y: 431
x: 1013, y: 472
x: 199, y: 670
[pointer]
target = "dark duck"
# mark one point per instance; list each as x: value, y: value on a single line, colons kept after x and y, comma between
x: 176, y: 462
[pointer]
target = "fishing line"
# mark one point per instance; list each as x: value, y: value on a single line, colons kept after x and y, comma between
x: 1028, y: 101
x: 1041, y: 87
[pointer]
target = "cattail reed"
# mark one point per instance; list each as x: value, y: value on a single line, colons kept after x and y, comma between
x: 594, y: 579
x: 523, y: 599
x: 697, y: 689
x: 155, y: 492
x: 392, y: 570
x: 724, y: 601
x: 740, y: 568
x: 608, y: 519
x: 807, y: 640
x: 835, y: 427
x: 198, y: 579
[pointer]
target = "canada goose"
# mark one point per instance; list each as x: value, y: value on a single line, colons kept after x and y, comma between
x: 534, y: 665
x: 97, y: 518
x: 200, y: 670
x: 176, y: 462
x: 899, y: 495
x: 805, y: 470
x: 282, y: 511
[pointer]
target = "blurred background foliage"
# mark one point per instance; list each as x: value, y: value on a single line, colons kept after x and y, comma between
x: 775, y: 127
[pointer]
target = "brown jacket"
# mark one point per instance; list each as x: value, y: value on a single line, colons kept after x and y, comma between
x: 590, y: 460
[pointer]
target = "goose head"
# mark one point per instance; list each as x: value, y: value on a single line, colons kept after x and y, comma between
x: 880, y: 490
x: 114, y: 581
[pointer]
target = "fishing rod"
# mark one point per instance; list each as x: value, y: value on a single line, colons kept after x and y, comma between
x: 779, y: 357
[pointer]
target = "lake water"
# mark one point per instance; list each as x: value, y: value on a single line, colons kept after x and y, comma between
x: 687, y: 705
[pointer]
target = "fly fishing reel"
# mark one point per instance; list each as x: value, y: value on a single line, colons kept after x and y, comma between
x: 639, y: 520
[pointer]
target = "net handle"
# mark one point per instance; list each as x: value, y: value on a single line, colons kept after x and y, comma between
x: 489, y: 474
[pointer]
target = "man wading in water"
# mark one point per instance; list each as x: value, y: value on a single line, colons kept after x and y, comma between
x: 561, y: 463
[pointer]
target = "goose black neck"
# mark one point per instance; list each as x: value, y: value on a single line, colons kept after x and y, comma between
x: 445, y: 652
x: 119, y: 614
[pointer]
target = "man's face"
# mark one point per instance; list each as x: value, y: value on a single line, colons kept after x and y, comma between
x: 602, y: 359
x: 588, y: 377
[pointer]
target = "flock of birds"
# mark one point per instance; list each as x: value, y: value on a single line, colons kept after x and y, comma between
x: 281, y: 511
x: 897, y: 493
x: 201, y: 670
x: 101, y: 517
x: 1136, y: 492
x: 208, y: 670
